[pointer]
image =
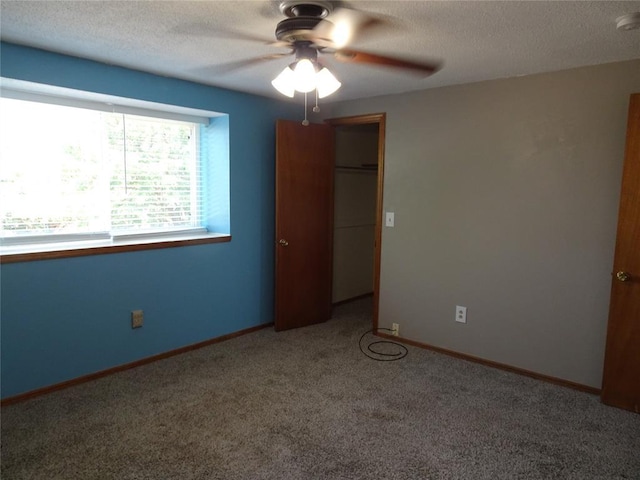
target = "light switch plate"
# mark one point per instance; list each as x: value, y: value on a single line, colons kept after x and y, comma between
x: 389, y: 219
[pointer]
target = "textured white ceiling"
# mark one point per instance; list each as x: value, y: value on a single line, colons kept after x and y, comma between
x: 477, y: 40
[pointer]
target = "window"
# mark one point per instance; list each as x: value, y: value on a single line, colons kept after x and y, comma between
x: 72, y: 171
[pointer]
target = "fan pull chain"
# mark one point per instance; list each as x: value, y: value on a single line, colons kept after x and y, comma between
x: 305, y: 122
x: 316, y: 109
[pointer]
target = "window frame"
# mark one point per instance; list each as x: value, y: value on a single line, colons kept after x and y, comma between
x: 98, y: 244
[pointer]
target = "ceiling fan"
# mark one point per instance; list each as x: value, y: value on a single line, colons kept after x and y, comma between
x: 313, y: 28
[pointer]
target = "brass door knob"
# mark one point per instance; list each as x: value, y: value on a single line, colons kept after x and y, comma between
x: 283, y: 242
x: 623, y: 276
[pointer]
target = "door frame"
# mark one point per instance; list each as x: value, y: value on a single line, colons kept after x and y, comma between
x: 380, y: 119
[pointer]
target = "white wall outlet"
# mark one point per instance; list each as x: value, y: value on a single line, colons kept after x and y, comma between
x: 461, y: 314
x: 389, y: 219
x: 395, y: 329
x: 137, y: 318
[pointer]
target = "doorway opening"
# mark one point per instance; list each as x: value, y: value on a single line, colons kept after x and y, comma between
x: 357, y: 224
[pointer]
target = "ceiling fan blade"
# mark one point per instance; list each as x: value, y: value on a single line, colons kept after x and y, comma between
x: 353, y: 56
x: 344, y: 25
x: 202, y: 29
x: 280, y: 43
x: 237, y: 65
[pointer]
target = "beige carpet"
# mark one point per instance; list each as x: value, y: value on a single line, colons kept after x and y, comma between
x: 307, y: 404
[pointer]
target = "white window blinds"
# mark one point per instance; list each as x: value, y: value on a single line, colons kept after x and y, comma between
x: 67, y: 172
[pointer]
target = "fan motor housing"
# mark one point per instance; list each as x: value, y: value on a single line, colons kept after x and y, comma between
x: 303, y: 16
x: 306, y: 8
x: 296, y: 29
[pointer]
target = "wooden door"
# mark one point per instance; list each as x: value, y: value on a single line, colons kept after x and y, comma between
x: 304, y: 223
x: 621, y: 380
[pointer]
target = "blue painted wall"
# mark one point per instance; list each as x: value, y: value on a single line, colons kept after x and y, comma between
x: 65, y: 318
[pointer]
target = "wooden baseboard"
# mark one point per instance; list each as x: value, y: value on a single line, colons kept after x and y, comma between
x: 120, y: 368
x: 501, y: 366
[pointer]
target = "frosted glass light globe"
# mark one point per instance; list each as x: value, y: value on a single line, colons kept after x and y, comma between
x: 304, y: 76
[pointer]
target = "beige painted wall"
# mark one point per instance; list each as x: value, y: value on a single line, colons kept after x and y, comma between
x: 354, y: 212
x: 506, y: 194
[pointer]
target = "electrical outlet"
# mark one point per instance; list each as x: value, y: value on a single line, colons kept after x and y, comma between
x: 137, y: 318
x: 395, y: 329
x: 461, y: 314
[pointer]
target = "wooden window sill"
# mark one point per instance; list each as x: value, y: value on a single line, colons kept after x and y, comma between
x: 50, y: 251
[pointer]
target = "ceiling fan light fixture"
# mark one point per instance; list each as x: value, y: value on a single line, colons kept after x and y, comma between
x: 327, y: 83
x: 285, y: 82
x: 304, y: 76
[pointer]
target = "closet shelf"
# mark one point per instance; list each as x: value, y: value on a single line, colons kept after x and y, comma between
x: 365, y: 167
x: 357, y: 225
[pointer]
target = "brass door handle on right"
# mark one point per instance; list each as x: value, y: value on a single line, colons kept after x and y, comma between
x: 283, y: 242
x: 623, y: 276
